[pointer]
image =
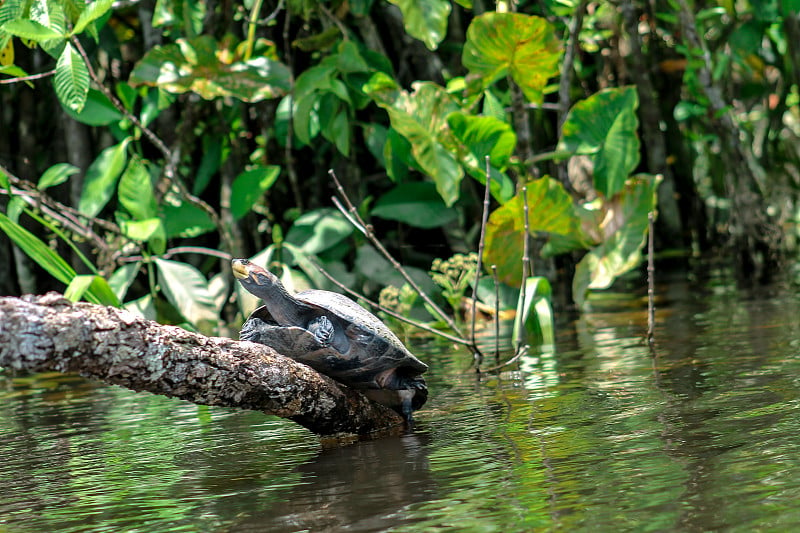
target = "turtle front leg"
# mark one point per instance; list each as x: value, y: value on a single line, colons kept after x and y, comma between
x: 322, y: 329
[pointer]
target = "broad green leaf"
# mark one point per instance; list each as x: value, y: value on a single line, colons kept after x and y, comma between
x: 249, y: 186
x: 72, y: 79
x: 203, y: 66
x: 97, y: 111
x: 481, y: 137
x: 604, y: 127
x: 101, y: 179
x: 135, y: 191
x: 37, y: 250
x: 522, y: 46
x: 122, y: 278
x: 143, y: 307
x: 425, y: 20
x: 56, y: 175
x: 141, y: 230
x: 319, y: 230
x: 626, y: 230
x: 187, y: 289
x: 182, y: 219
x: 416, y: 204
x: 420, y: 117
x: 31, y: 30
x: 549, y: 210
x: 93, y: 11
x: 92, y: 288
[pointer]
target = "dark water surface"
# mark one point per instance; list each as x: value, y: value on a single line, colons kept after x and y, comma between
x: 592, y: 434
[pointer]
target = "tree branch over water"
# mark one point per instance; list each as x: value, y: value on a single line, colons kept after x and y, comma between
x: 39, y: 333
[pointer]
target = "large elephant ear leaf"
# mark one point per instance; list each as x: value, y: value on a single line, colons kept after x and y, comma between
x: 603, y: 127
x: 512, y: 44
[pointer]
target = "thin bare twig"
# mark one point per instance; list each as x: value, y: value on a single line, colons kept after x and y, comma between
x: 386, y: 310
x: 651, y: 284
x: 28, y: 78
x: 520, y: 353
x: 526, y: 268
x: 180, y: 250
x: 496, y: 315
x: 479, y: 267
x: 366, y: 229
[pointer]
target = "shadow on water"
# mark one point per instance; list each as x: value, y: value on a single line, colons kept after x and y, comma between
x: 590, y: 434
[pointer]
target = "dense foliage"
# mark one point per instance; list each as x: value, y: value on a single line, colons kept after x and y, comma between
x: 146, y: 143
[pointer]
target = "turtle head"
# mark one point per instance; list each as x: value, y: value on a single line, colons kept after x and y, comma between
x: 257, y: 280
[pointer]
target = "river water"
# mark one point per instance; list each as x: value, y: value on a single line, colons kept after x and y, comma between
x: 594, y: 433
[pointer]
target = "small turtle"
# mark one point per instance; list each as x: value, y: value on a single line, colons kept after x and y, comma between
x: 335, y: 336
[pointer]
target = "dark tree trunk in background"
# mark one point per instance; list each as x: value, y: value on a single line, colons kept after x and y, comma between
x: 48, y: 332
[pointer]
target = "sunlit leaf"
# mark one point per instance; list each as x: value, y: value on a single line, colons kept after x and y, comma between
x: 549, y: 210
x: 425, y: 20
x: 416, y: 204
x: 101, y: 179
x: 93, y: 11
x: 31, y: 30
x: 604, y: 127
x: 522, y: 46
x: 56, y: 175
x: 420, y: 117
x: 535, y: 313
x: 72, y: 79
x: 187, y: 289
x: 202, y: 66
x: 184, y: 219
x: 249, y: 186
x: 135, y: 191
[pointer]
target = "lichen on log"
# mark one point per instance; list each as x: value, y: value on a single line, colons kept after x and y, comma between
x: 49, y: 332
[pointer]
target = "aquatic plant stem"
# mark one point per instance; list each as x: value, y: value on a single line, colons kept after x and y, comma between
x: 651, y: 284
x: 526, y: 268
x: 479, y: 266
x: 351, y: 213
x: 496, y: 315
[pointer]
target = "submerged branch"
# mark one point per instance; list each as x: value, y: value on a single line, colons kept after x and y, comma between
x: 39, y: 333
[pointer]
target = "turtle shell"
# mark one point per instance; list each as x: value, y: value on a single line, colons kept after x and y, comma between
x: 375, y: 358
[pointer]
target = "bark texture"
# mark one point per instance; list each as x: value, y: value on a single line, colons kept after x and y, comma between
x: 48, y: 332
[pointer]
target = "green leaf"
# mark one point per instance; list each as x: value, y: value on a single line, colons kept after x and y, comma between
x: 534, y: 313
x: 72, y: 79
x: 135, y: 191
x: 56, y: 175
x: 249, y: 186
x: 183, y: 219
x: 92, y: 288
x: 97, y: 111
x: 31, y: 30
x: 187, y: 289
x: 37, y: 250
x: 319, y: 230
x: 522, y: 46
x: 626, y: 231
x: 93, y: 11
x: 604, y: 127
x: 549, y: 210
x: 122, y: 278
x: 425, y: 20
x: 141, y: 230
x: 101, y: 178
x: 200, y: 65
x: 416, y: 204
x: 420, y: 117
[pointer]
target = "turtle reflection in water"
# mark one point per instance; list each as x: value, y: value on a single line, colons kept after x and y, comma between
x: 335, y: 336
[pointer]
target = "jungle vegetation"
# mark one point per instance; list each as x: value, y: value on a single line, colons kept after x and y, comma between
x: 146, y: 142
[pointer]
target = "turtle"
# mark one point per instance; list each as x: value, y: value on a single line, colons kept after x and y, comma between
x: 335, y: 336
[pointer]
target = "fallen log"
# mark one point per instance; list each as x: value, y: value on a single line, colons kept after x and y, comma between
x: 49, y: 332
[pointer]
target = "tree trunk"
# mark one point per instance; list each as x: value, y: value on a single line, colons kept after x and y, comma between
x: 48, y: 332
